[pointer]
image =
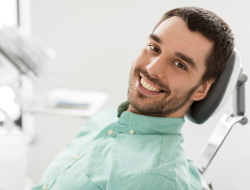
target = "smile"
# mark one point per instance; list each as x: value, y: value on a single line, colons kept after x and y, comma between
x: 146, y: 87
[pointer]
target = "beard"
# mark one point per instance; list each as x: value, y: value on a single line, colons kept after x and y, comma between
x: 160, y: 107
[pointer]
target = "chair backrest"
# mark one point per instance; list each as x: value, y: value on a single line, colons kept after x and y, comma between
x: 219, y: 92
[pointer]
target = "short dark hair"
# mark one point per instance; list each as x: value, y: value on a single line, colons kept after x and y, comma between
x: 213, y: 28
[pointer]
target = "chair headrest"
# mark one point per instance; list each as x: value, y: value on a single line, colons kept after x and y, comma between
x: 219, y: 92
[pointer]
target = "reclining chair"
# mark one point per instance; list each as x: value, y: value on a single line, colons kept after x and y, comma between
x: 231, y: 80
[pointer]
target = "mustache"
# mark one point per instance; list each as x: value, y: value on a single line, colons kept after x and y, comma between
x: 153, y: 80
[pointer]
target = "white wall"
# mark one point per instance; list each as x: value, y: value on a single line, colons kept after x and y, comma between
x: 96, y: 41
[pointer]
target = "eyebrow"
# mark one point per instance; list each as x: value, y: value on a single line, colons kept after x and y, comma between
x: 155, y: 38
x: 187, y: 59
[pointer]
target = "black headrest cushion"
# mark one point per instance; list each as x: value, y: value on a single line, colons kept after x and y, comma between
x: 201, y: 110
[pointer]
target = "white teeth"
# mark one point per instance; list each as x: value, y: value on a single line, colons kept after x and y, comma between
x: 148, y: 86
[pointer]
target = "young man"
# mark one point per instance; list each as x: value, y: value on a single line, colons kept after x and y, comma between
x: 143, y: 148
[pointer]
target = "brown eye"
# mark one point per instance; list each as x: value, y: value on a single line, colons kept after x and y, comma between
x: 178, y: 64
x: 154, y: 48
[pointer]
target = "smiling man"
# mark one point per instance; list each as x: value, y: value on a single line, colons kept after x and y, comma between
x: 167, y: 74
x: 143, y: 148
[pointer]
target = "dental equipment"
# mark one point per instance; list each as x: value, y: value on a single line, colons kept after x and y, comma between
x: 231, y: 80
x: 25, y: 66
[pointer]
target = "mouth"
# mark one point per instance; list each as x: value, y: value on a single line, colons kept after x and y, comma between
x: 146, y: 87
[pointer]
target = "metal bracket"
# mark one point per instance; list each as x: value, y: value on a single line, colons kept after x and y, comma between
x: 221, y: 131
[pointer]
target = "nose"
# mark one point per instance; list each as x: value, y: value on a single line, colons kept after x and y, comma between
x: 157, y: 67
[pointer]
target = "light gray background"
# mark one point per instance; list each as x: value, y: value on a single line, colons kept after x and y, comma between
x: 96, y: 41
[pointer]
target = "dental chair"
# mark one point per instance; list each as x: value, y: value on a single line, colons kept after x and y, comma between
x: 230, y: 81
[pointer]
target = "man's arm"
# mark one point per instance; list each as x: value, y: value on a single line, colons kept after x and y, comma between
x: 145, y: 182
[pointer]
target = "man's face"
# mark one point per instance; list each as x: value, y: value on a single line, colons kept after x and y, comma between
x: 166, y: 75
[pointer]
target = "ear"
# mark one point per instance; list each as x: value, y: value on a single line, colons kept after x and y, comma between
x: 202, y: 90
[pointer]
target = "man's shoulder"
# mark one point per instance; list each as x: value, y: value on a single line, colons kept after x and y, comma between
x: 97, y: 122
x: 104, y: 117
